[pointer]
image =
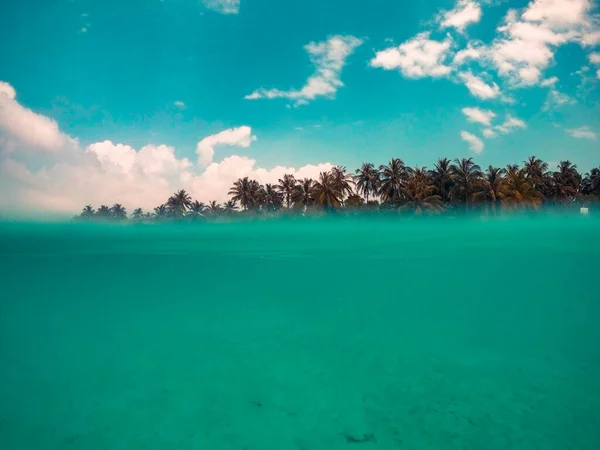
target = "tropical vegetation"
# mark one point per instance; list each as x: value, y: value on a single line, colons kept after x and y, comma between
x: 449, y: 186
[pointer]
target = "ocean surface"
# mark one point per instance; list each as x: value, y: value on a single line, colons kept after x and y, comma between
x: 302, y: 334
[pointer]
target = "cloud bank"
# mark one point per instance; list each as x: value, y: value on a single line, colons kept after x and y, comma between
x: 107, y: 172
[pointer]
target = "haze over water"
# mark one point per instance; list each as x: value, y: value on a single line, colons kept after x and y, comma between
x: 301, y: 334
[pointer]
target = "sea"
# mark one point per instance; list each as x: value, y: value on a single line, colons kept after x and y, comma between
x: 302, y: 334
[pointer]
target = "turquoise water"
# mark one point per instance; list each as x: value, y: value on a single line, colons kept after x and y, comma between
x: 312, y: 334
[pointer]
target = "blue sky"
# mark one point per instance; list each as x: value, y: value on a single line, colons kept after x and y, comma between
x: 351, y: 81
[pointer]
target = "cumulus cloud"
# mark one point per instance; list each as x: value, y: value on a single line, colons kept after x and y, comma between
x: 329, y: 57
x: 591, y: 37
x: 528, y: 41
x: 417, y: 58
x: 107, y: 172
x: 149, y: 160
x: 7, y: 90
x: 582, y: 133
x: 474, y: 51
x: 223, y: 6
x: 595, y: 58
x: 214, y: 183
x: 20, y: 124
x: 475, y: 144
x: 510, y: 124
x: 561, y: 13
x: 477, y: 115
x: 489, y: 133
x: 479, y: 88
x: 237, y: 137
x: 179, y: 104
x: 464, y: 13
x: 549, y: 82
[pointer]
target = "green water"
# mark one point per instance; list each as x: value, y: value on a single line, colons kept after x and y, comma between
x: 407, y: 334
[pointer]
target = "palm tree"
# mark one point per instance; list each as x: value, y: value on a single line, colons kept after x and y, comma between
x: 535, y: 169
x: 286, y: 186
x: 88, y: 212
x: 491, y: 187
x: 213, y: 208
x: 591, y: 182
x: 392, y: 179
x: 161, y: 212
x: 354, y: 201
x: 179, y: 203
x: 326, y: 193
x: 270, y: 198
x: 103, y: 212
x: 367, y: 180
x: 418, y: 194
x: 342, y: 181
x: 467, y: 178
x: 137, y: 214
x: 196, y: 209
x: 518, y: 190
x: 302, y: 194
x: 118, y: 212
x: 229, y: 207
x: 567, y: 181
x: 441, y: 177
x: 246, y: 192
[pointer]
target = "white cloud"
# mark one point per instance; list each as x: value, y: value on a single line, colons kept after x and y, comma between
x: 556, y: 99
x: 595, y: 58
x: 477, y: 115
x: 590, y: 37
x: 237, y: 137
x: 7, y: 90
x: 510, y: 124
x: 508, y: 100
x: 417, y: 58
x: 18, y: 123
x: 179, y: 104
x: 217, y: 179
x: 489, y: 133
x: 149, y: 160
x: 223, y: 6
x: 464, y: 13
x: 582, y: 133
x: 562, y: 13
x: 474, y: 51
x: 513, y: 122
x: 476, y: 145
x: 549, y: 82
x: 107, y: 172
x: 478, y: 87
x: 84, y: 30
x: 329, y: 57
x: 64, y: 188
x: 528, y: 41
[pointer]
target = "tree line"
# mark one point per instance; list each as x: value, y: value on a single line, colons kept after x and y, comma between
x: 458, y: 185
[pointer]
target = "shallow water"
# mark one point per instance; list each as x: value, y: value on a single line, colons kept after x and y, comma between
x: 311, y: 334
